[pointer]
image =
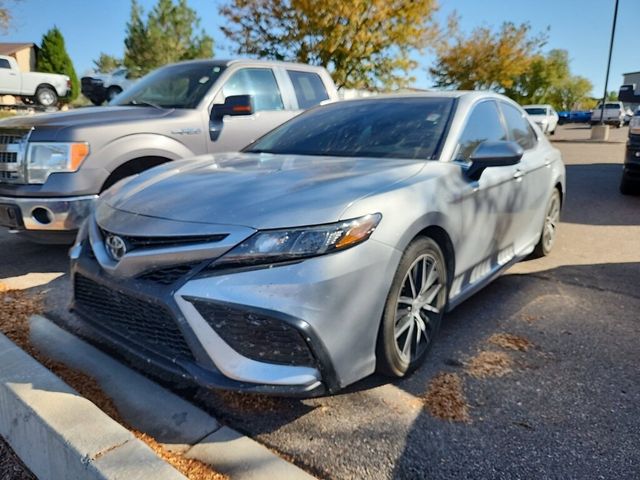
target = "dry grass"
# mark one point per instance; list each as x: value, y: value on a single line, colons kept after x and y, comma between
x: 510, y: 342
x: 489, y: 364
x: 250, y: 403
x: 445, y: 398
x: 16, y: 307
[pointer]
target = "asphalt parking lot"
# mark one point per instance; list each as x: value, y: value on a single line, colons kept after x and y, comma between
x: 566, y: 407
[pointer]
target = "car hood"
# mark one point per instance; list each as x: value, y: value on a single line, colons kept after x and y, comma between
x: 83, y: 117
x: 257, y: 190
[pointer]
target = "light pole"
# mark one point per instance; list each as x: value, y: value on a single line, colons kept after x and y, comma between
x: 606, y: 80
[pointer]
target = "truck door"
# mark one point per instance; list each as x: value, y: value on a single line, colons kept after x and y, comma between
x: 9, y: 78
x: 232, y: 133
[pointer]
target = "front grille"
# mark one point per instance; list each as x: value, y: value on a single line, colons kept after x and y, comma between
x: 256, y: 336
x: 167, y: 276
x: 166, y: 242
x: 12, y: 148
x: 135, y: 320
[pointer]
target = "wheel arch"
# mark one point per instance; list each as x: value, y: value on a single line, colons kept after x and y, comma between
x: 442, y: 238
x: 133, y: 167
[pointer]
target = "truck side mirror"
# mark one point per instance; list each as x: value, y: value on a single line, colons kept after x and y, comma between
x: 234, y: 105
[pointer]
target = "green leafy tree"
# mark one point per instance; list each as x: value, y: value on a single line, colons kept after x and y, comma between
x: 107, y: 63
x: 53, y: 58
x: 485, y: 59
x: 570, y: 93
x: 363, y: 43
x: 545, y: 73
x: 167, y: 35
x: 612, y: 96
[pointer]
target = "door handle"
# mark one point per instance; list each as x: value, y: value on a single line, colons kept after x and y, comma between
x: 518, y: 175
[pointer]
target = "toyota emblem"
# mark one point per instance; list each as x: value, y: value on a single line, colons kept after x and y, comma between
x: 116, y: 247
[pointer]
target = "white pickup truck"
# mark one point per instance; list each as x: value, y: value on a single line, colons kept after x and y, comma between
x: 43, y: 88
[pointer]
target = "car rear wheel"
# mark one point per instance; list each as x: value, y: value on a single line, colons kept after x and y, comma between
x: 414, y: 308
x: 627, y: 187
x: 46, y: 96
x: 550, y: 227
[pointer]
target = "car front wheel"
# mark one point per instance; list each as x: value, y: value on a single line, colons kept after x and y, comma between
x: 414, y: 308
x: 550, y: 227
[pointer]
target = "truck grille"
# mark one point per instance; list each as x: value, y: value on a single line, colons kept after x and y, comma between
x: 13, y: 145
x: 133, y: 319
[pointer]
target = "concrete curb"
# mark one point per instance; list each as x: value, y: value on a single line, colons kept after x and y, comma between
x: 174, y: 422
x: 54, y: 430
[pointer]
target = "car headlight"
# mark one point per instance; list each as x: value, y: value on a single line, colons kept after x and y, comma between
x: 634, y: 125
x: 43, y: 159
x: 273, y: 246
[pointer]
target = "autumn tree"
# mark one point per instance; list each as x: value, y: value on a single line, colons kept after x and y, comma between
x: 6, y: 14
x: 107, y: 63
x: 53, y: 58
x: 167, y: 35
x: 545, y: 73
x: 363, y: 43
x: 484, y: 59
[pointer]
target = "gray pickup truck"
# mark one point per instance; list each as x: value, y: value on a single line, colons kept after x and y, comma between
x: 54, y: 166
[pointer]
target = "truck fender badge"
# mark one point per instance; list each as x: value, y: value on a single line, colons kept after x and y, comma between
x: 187, y: 131
x: 116, y: 247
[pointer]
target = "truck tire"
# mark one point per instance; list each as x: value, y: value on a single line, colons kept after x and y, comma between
x: 46, y: 96
x: 112, y: 92
x: 27, y: 100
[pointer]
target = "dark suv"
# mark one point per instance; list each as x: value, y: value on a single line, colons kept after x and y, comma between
x: 631, y: 171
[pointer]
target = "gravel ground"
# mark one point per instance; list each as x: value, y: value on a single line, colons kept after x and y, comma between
x: 563, y: 407
x: 11, y: 468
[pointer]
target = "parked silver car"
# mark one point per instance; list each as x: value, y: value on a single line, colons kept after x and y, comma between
x: 327, y: 249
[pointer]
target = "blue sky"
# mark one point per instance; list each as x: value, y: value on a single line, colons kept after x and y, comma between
x: 580, y: 26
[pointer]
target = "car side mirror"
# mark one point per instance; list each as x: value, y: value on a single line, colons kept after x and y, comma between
x: 233, y: 105
x: 493, y: 154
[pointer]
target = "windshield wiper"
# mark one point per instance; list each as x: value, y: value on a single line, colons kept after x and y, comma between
x: 143, y: 103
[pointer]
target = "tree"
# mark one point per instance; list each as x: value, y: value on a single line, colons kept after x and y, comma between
x: 544, y: 73
x: 6, y: 16
x: 484, y: 59
x: 363, y: 43
x: 166, y: 36
x: 570, y: 93
x: 53, y: 58
x: 107, y: 63
x: 612, y: 96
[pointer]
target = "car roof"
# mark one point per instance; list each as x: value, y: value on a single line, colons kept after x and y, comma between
x: 249, y: 61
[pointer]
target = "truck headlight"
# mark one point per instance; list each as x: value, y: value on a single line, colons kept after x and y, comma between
x: 634, y: 125
x: 43, y: 159
x: 273, y: 246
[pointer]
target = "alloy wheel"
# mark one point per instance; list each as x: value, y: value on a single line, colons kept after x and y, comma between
x: 418, y: 307
x: 551, y: 223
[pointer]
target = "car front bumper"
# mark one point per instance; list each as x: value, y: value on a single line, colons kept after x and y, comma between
x: 246, y: 330
x: 45, y: 214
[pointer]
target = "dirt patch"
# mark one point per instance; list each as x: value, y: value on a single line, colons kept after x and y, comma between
x: 510, y: 342
x: 250, y: 403
x: 489, y: 364
x: 16, y: 306
x: 445, y: 398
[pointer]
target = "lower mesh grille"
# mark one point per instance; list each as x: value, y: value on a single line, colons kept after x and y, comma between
x: 136, y: 320
x: 169, y: 275
x: 257, y: 336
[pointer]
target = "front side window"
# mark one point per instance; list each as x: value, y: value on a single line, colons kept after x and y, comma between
x: 483, y: 125
x: 260, y: 83
x: 520, y: 129
x: 309, y: 88
x: 390, y: 128
x: 4, y: 63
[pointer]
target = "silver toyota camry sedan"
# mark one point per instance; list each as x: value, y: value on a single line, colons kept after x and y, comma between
x: 326, y: 250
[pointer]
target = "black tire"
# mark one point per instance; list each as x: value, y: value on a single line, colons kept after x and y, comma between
x: 421, y: 255
x: 46, y: 96
x: 549, y: 227
x: 96, y: 101
x: 112, y: 92
x: 552, y: 132
x: 627, y: 187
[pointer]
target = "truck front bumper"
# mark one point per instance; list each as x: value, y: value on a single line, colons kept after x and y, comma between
x: 64, y: 214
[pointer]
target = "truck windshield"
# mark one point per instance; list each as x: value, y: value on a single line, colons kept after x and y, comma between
x: 391, y: 128
x: 175, y: 86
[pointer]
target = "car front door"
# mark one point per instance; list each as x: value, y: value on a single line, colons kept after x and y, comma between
x: 232, y: 133
x: 9, y: 79
x: 532, y: 177
x: 489, y: 205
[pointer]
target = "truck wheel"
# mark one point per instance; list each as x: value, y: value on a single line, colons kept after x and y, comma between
x: 112, y: 92
x: 96, y: 101
x: 27, y: 100
x: 627, y: 187
x: 46, y: 96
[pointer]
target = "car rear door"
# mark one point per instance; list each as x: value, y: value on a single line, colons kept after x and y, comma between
x: 271, y: 108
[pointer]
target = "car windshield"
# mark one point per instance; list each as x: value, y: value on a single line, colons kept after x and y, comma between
x: 608, y: 105
x: 536, y: 111
x: 175, y: 86
x: 391, y: 128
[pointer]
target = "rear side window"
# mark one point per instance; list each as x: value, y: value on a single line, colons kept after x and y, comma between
x: 260, y: 83
x: 310, y: 90
x: 483, y: 125
x: 4, y: 63
x: 520, y: 129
